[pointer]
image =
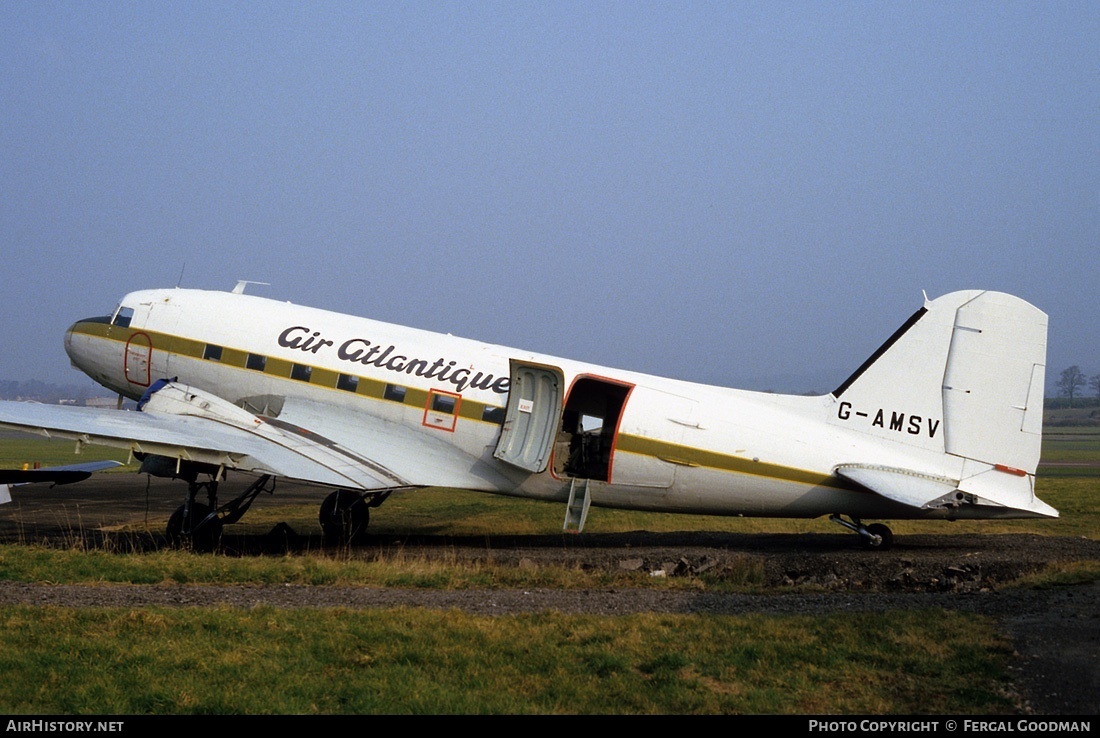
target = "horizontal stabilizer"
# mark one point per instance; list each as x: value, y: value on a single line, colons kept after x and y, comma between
x: 900, y: 485
x: 1008, y: 488
x: 998, y: 492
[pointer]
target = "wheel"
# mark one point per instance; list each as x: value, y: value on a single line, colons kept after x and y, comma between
x: 344, y: 516
x: 179, y: 530
x: 884, y: 534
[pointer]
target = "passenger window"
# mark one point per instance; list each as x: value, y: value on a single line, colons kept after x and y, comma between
x: 443, y: 403
x: 442, y: 411
x: 493, y: 414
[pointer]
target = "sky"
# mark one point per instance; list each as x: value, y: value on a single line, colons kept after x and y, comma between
x: 740, y: 193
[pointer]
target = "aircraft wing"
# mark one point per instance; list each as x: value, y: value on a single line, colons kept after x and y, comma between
x: 57, y: 474
x: 186, y: 423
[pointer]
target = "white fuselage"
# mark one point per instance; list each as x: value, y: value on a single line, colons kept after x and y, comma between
x: 665, y: 445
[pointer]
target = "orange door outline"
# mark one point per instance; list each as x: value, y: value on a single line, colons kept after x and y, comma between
x: 136, y: 360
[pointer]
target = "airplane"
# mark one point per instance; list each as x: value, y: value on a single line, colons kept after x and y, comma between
x: 944, y: 421
x: 66, y: 474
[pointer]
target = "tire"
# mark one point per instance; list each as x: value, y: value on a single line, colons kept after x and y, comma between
x: 344, y: 516
x: 886, y: 537
x: 205, y: 538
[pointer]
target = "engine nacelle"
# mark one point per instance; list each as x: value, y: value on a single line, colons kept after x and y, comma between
x: 170, y: 468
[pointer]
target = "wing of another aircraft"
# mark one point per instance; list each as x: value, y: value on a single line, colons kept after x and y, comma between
x: 185, y: 423
x: 56, y: 474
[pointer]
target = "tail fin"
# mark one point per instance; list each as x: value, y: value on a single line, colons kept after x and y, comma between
x: 964, y: 376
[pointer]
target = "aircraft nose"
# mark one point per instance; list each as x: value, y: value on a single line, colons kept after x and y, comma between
x: 69, y: 343
x: 72, y: 345
x: 77, y: 345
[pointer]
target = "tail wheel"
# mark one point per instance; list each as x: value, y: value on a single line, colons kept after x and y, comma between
x: 203, y: 536
x: 344, y: 516
x: 881, y: 538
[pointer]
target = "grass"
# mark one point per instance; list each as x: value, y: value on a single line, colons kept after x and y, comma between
x: 332, y: 661
x: 49, y: 565
x: 187, y: 661
x: 1085, y: 412
x: 1071, y: 452
x: 448, y: 512
x: 17, y: 449
x: 75, y: 566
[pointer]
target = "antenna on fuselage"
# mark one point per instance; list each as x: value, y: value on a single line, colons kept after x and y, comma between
x: 242, y: 283
x: 180, y: 280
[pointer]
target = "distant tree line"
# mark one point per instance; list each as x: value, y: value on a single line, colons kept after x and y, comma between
x: 1074, y: 383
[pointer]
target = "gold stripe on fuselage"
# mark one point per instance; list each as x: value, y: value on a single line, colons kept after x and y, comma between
x: 469, y: 409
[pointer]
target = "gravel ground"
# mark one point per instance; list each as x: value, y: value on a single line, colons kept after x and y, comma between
x: 1056, y: 632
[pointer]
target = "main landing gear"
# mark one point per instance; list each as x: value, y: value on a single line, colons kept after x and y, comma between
x: 876, y: 536
x: 345, y: 514
x: 201, y: 524
x: 195, y: 523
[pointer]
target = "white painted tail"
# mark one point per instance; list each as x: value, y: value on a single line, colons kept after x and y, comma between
x: 964, y: 376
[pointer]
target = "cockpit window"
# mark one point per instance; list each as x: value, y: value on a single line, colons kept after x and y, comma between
x: 122, y: 317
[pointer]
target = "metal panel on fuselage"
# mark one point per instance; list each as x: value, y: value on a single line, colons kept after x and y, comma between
x: 731, y: 452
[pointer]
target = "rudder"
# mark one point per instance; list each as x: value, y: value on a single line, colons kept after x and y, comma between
x: 993, y: 382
